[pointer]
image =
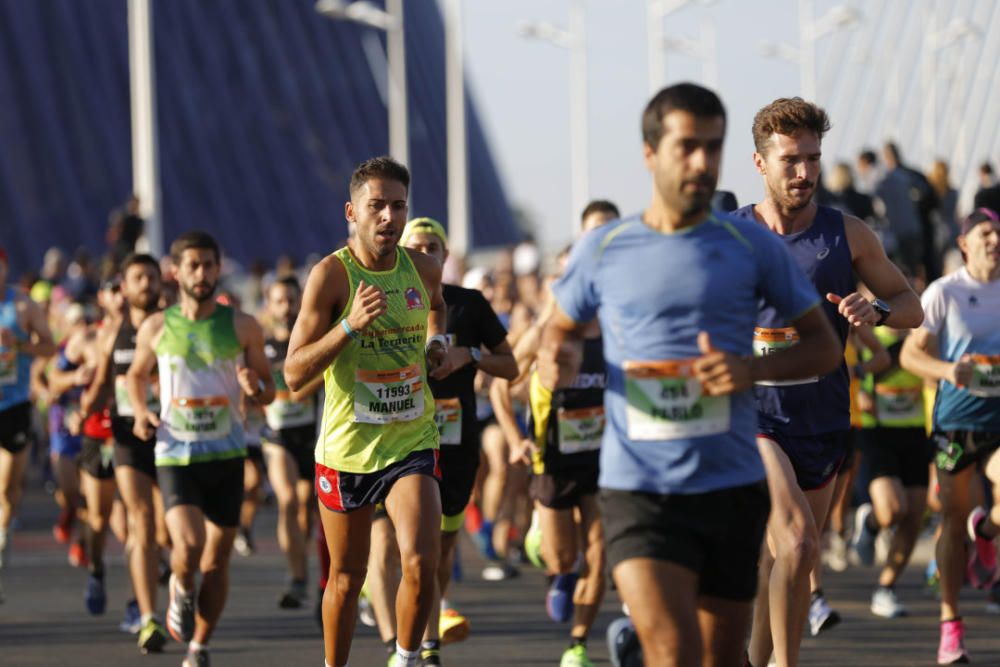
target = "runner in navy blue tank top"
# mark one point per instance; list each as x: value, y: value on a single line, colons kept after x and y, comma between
x: 803, y: 424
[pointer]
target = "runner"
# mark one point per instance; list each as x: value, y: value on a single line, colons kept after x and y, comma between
x: 24, y: 335
x: 207, y: 356
x: 897, y: 454
x: 371, y: 323
x: 804, y: 425
x: 289, y: 441
x: 134, y: 466
x: 683, y: 499
x: 472, y: 325
x: 958, y: 347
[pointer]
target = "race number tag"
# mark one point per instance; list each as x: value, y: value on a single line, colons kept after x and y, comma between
x: 124, y: 405
x: 283, y: 412
x: 769, y: 341
x: 196, y: 419
x: 381, y: 397
x: 899, y: 403
x: 664, y: 402
x: 580, y: 430
x: 985, y: 375
x: 448, y: 417
x: 8, y: 367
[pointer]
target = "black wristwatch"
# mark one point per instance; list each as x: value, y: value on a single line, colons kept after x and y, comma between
x: 883, y: 310
x: 476, y: 355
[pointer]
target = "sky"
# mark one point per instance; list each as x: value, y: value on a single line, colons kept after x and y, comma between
x: 868, y: 79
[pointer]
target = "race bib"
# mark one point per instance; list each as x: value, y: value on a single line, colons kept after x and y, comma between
x: 580, y: 429
x: 124, y: 405
x: 8, y: 367
x: 985, y: 375
x: 381, y: 397
x: 899, y: 403
x: 664, y: 402
x: 196, y: 419
x: 448, y: 417
x: 769, y: 341
x: 283, y: 412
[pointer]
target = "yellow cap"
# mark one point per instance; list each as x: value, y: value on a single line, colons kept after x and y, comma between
x: 424, y: 226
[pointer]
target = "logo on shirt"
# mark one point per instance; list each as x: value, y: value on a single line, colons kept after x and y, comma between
x: 823, y: 253
x: 324, y: 485
x: 973, y: 301
x: 413, y: 299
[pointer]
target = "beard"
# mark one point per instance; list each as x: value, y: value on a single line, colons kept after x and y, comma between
x: 207, y: 290
x: 145, y: 301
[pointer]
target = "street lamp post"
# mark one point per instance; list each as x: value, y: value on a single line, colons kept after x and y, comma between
x: 703, y: 50
x: 936, y: 41
x: 145, y: 147
x: 656, y: 11
x: 574, y: 40
x: 458, y: 182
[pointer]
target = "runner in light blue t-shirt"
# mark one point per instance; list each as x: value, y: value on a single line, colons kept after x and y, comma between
x: 682, y: 497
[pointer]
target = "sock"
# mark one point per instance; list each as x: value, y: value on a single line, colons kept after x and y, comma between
x: 146, y: 618
x: 390, y: 646
x: 816, y: 595
x: 577, y: 641
x: 952, y: 620
x: 195, y: 646
x: 406, y: 658
x: 890, y: 587
x: 431, y: 645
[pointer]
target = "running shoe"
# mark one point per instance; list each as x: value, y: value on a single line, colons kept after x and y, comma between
x: 863, y: 540
x: 623, y: 644
x: 164, y: 572
x: 483, y: 539
x: 197, y: 658
x: 180, y: 614
x: 430, y: 657
x: 294, y: 597
x: 821, y: 616
x: 499, y: 571
x: 559, y: 599
x: 932, y: 578
x: 366, y: 614
x: 836, y: 555
x: 473, y: 519
x: 993, y: 600
x: 886, y: 604
x: 951, y: 650
x: 61, y: 529
x: 152, y: 637
x: 95, y: 596
x: 982, y: 571
x: 132, y: 622
x: 533, y: 542
x: 243, y: 544
x: 452, y: 627
x: 76, y: 556
x: 576, y: 656
x: 5, y: 541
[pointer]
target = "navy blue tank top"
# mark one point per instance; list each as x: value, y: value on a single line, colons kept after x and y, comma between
x: 820, y: 405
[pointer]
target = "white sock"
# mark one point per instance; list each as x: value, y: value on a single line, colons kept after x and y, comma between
x: 195, y: 646
x: 146, y: 618
x: 406, y: 658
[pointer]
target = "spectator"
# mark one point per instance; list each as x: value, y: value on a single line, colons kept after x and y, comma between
x: 844, y: 196
x: 987, y: 179
x: 943, y: 216
x: 124, y: 229
x: 905, y: 194
x: 869, y: 173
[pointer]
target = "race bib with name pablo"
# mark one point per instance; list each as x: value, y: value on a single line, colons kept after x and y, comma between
x: 381, y: 397
x: 448, y: 417
x: 124, y: 405
x: 768, y: 341
x: 283, y: 412
x: 580, y: 429
x: 899, y: 403
x: 664, y: 402
x: 985, y: 375
x: 198, y: 419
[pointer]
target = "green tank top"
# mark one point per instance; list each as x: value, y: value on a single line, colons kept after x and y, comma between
x: 378, y: 407
x: 197, y: 362
x: 898, y: 394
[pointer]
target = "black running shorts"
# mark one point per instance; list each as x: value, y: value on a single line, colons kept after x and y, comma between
x: 300, y: 441
x: 563, y: 490
x: 97, y: 457
x: 214, y: 487
x: 903, y: 453
x: 955, y: 451
x: 15, y: 427
x: 717, y: 534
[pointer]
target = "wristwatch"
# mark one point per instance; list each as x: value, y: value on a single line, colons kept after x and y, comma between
x: 883, y: 310
x: 476, y: 355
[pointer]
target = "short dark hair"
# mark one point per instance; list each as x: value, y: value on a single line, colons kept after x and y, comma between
x: 868, y: 156
x: 600, y: 206
x: 892, y: 149
x: 288, y: 281
x: 194, y: 240
x: 138, y: 258
x: 788, y: 116
x: 379, y: 167
x: 689, y: 97
x: 986, y: 168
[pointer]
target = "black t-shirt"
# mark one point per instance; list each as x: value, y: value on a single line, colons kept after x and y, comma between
x: 471, y: 323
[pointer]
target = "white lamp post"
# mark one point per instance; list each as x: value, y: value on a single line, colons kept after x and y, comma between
x: 656, y: 11
x: 145, y: 149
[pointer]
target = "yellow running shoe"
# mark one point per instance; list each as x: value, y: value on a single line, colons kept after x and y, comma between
x: 453, y: 627
x: 575, y: 656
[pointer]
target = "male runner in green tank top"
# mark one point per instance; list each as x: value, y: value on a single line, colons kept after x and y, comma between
x: 371, y: 323
x: 208, y: 356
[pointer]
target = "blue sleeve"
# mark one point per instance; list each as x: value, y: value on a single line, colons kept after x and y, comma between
x: 575, y: 291
x: 783, y: 284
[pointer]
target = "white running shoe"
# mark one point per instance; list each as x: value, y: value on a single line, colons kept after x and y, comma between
x: 886, y: 604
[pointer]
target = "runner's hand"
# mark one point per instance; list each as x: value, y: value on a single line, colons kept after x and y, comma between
x: 455, y: 358
x: 522, y: 452
x: 145, y: 424
x: 249, y: 381
x: 855, y: 308
x: 719, y: 372
x: 83, y: 376
x: 436, y: 355
x: 961, y: 371
x: 74, y: 422
x: 369, y: 302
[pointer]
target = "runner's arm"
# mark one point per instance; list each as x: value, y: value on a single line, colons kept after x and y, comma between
x: 560, y: 352
x: 61, y: 381
x: 880, y: 360
x: 921, y: 356
x: 96, y: 392
x: 312, y: 387
x: 882, y: 277
x: 140, y: 373
x: 255, y: 378
x: 524, y: 355
x: 40, y: 343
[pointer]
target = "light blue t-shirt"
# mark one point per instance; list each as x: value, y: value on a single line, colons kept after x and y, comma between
x: 653, y: 293
x: 964, y: 314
